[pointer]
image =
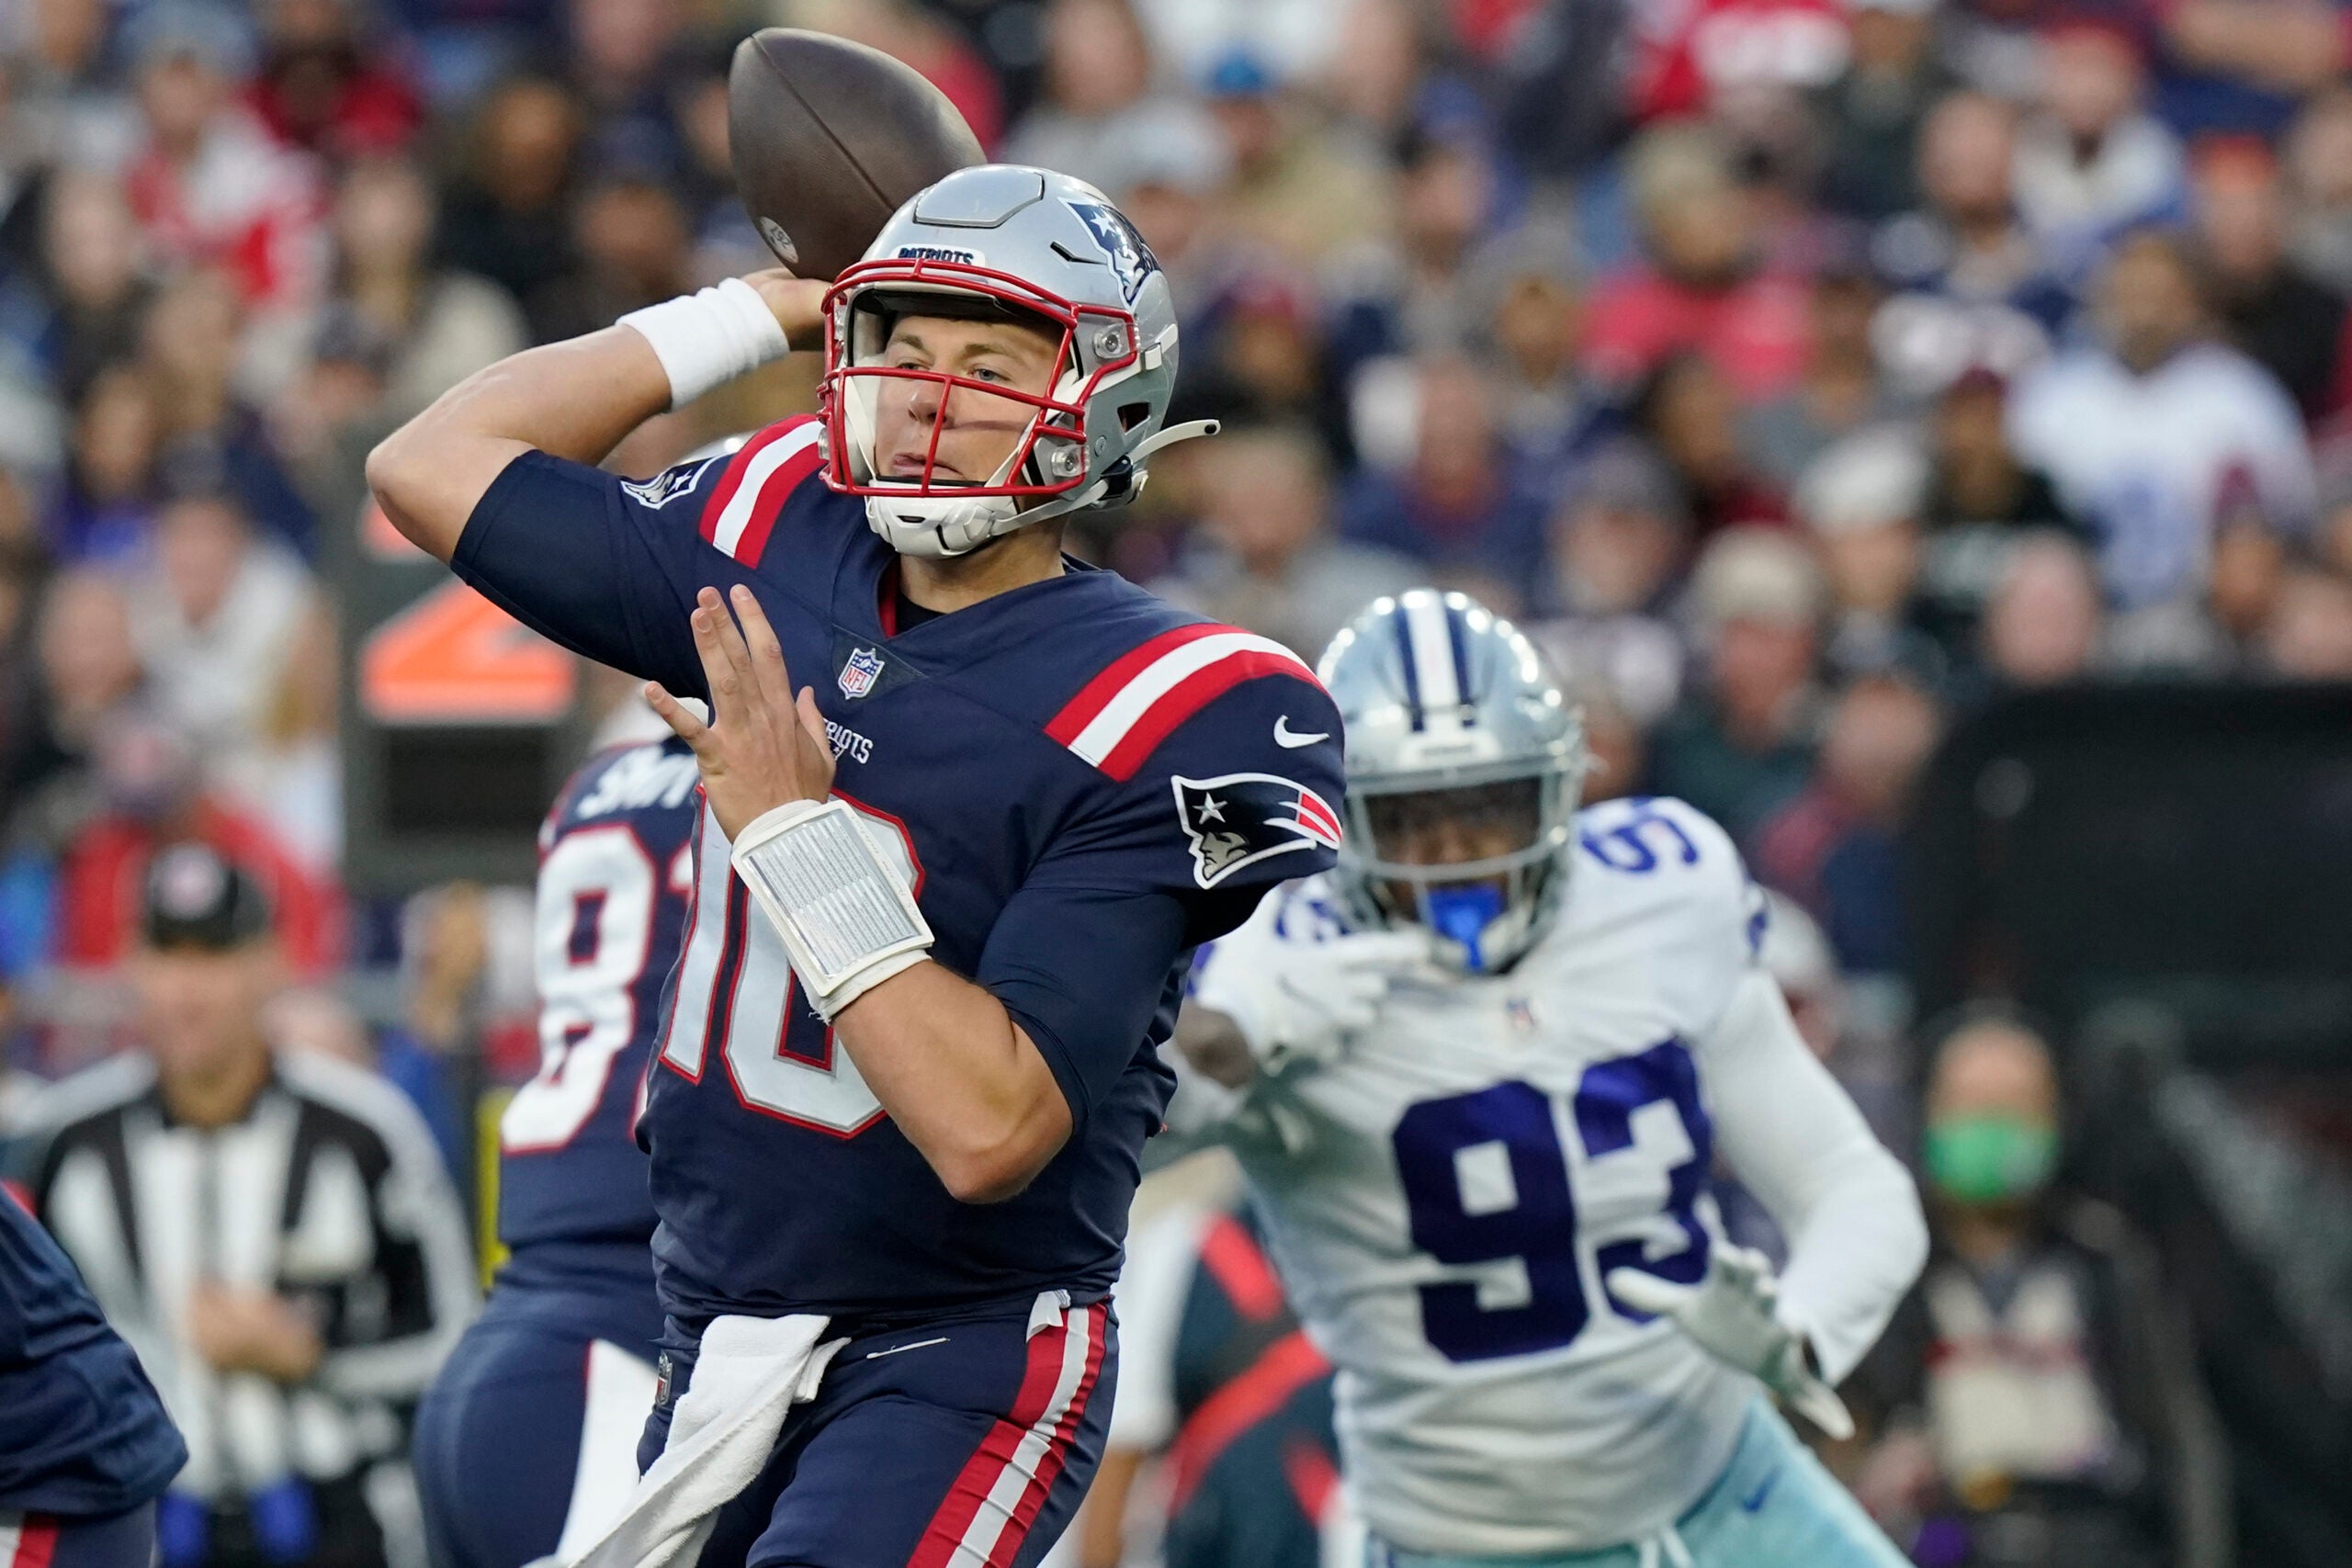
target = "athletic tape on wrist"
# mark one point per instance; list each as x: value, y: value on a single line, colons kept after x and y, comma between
x: 706, y: 339
x: 847, y: 918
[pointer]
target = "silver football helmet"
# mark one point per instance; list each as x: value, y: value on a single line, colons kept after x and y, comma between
x: 1464, y: 765
x: 1006, y: 241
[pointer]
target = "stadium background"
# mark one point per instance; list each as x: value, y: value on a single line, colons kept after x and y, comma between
x: 1918, y: 428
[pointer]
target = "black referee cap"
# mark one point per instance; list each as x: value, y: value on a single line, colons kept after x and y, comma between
x: 194, y: 898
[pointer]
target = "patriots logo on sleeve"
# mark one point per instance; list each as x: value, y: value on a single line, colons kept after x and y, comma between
x: 669, y: 484
x: 1237, y: 820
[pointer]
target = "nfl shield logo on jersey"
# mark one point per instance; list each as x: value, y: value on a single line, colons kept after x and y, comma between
x: 1237, y: 820
x: 859, y: 674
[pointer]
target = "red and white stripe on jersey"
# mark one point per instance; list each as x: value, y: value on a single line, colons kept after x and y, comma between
x: 1316, y: 816
x: 760, y: 477
x: 27, y: 1540
x: 1123, y: 714
x: 992, y: 1504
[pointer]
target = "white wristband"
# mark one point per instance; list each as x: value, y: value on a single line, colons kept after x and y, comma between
x: 708, y: 339
x: 847, y: 918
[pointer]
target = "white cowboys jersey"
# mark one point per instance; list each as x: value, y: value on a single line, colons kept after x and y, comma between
x: 1457, y: 1183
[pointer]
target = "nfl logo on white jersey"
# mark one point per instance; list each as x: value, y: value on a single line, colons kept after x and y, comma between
x: 859, y: 674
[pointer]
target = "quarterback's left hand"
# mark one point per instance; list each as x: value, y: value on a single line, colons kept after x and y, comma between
x: 762, y: 746
x: 1733, y: 1314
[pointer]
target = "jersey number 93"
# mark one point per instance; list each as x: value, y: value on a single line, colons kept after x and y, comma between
x: 1486, y: 1180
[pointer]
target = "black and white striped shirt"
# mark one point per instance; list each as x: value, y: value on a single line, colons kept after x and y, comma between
x: 328, y: 1192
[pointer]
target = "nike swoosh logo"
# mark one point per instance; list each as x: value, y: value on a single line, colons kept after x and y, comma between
x: 877, y: 1355
x: 1286, y: 737
x: 1754, y: 1500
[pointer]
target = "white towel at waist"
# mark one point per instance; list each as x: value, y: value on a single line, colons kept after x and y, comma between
x: 748, y: 1372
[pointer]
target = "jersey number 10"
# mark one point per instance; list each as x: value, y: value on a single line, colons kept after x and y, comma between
x: 736, y: 992
x: 1485, y: 1179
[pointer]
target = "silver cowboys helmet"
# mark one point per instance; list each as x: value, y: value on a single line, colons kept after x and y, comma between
x: 1006, y: 241
x: 1465, y: 763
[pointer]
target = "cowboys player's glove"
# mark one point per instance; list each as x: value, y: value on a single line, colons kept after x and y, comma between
x: 1299, y: 1001
x: 1733, y: 1314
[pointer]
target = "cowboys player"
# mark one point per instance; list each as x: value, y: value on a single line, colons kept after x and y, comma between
x: 941, y: 895
x: 1483, y: 1069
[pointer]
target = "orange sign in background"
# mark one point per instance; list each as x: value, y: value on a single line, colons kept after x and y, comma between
x: 455, y: 658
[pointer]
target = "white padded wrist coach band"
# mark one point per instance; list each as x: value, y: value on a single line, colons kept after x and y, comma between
x: 846, y: 915
x: 706, y: 339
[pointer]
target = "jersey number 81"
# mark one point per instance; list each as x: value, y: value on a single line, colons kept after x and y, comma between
x: 597, y: 898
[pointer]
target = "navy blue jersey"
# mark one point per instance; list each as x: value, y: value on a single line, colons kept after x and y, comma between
x: 1083, y: 782
x: 82, y: 1430
x: 615, y: 869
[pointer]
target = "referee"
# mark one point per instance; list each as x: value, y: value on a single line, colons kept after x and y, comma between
x: 271, y: 1230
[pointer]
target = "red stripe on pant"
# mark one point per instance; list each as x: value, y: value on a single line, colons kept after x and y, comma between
x: 938, y: 1547
x: 1049, y: 1465
x: 36, y: 1542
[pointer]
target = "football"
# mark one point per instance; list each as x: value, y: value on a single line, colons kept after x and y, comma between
x: 829, y: 138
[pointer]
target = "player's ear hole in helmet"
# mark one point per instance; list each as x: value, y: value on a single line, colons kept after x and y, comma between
x: 1465, y: 765
x: 1004, y: 355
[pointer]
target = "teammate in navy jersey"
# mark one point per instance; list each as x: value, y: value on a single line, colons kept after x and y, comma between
x: 527, y: 1443
x: 85, y: 1447
x: 908, y: 1068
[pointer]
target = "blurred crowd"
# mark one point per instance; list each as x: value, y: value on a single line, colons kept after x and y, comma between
x: 1802, y: 373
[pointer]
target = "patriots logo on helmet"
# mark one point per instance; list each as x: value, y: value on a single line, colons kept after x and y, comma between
x: 669, y: 484
x: 858, y: 675
x: 1237, y: 820
x: 1131, y: 259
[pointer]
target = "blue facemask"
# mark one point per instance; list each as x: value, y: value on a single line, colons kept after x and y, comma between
x: 1463, y: 914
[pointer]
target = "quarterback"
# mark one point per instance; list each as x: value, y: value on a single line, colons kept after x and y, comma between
x: 943, y: 891
x: 1478, y: 1075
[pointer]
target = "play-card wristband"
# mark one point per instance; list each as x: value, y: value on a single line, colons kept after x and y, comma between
x: 847, y: 918
x: 706, y: 339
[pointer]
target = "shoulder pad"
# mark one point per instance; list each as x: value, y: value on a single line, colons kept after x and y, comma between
x: 1215, y: 761
x: 1118, y: 720
x: 740, y: 511
x: 1657, y: 851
